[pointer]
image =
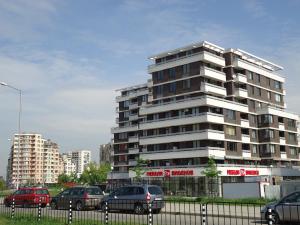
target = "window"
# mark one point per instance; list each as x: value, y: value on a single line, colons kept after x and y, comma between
x: 258, y: 78
x: 254, y: 149
x: 292, y: 137
x: 159, y: 90
x: 186, y: 69
x: 277, y: 84
x: 258, y: 104
x: 253, y: 134
x: 291, y: 123
x: 252, y: 119
x: 252, y: 104
x: 231, y: 146
x: 277, y: 97
x: 230, y: 130
x: 268, y: 133
x: 269, y: 95
x: 230, y: 114
x: 293, y: 151
x: 250, y: 76
x: 251, y: 90
x: 186, y: 84
x: 258, y: 91
x: 268, y: 81
x: 265, y: 119
x: 172, y: 87
x: 172, y: 73
x: 272, y: 149
x: 160, y: 75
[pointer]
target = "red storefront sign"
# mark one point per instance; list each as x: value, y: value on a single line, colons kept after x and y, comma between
x: 170, y: 173
x: 242, y: 172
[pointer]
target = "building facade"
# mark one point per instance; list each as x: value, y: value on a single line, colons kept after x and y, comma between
x: 69, y: 166
x: 205, y: 101
x: 105, y: 151
x: 81, y: 159
x: 35, y: 162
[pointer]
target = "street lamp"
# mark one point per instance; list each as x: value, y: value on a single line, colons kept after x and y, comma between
x: 19, y: 125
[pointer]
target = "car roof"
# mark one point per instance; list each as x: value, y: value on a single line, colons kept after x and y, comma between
x: 32, y: 188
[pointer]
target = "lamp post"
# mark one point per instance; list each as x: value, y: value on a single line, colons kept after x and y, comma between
x: 19, y: 125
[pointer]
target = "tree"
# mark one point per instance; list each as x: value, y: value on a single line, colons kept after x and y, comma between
x: 139, y: 169
x: 95, y: 174
x: 63, y: 178
x: 2, y: 185
x: 211, y: 173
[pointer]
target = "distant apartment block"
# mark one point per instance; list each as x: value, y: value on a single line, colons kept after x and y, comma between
x: 81, y: 159
x: 105, y: 151
x: 35, y: 162
x: 69, y: 166
x: 205, y: 101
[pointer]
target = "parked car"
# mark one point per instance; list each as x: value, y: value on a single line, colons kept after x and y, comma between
x: 285, y: 210
x: 82, y: 198
x: 135, y: 198
x: 29, y: 196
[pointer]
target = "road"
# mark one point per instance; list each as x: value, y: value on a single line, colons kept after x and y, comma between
x: 172, y: 214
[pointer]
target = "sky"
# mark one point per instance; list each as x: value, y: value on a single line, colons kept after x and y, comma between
x: 68, y: 57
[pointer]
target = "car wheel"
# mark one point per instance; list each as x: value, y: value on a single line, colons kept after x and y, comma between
x: 138, y: 209
x: 53, y: 205
x: 79, y: 206
x: 275, y: 218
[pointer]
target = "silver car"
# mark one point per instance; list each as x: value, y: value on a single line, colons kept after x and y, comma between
x: 135, y: 198
x: 286, y: 209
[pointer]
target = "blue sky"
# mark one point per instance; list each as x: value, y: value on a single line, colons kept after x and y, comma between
x: 68, y: 57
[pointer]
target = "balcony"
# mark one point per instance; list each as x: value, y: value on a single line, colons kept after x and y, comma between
x: 124, y: 129
x: 183, y: 136
x: 244, y: 123
x: 213, y: 89
x: 133, y: 150
x: 212, y: 73
x: 132, y: 94
x: 282, y: 141
x: 200, y: 56
x: 246, y: 154
x: 133, y: 106
x: 242, y: 93
x: 181, y: 120
x: 241, y: 78
x: 245, y: 138
x: 132, y: 162
x: 133, y: 139
x: 133, y: 117
x: 217, y: 153
x: 281, y: 126
x: 283, y: 155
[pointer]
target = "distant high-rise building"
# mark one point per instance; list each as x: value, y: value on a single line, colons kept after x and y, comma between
x: 105, y: 153
x: 36, y: 162
x: 81, y: 159
x: 69, y: 166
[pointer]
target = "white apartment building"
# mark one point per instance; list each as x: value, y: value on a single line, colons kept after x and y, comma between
x: 205, y: 101
x: 81, y: 159
x: 33, y: 160
x: 69, y: 166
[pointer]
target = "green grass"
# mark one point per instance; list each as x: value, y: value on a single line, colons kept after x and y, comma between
x: 32, y: 220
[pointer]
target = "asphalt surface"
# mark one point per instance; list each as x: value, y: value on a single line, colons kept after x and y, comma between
x: 172, y: 214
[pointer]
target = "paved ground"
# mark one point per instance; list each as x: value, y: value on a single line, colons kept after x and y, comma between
x: 172, y: 214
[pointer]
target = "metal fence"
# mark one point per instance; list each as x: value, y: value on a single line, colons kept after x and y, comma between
x: 162, y: 212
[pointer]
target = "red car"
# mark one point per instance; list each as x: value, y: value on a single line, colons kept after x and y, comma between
x: 27, y: 197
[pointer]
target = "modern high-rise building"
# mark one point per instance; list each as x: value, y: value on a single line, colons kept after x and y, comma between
x: 205, y: 101
x: 81, y: 159
x: 36, y: 162
x: 69, y: 166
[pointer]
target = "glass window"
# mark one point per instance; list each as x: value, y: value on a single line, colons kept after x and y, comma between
x: 277, y: 84
x: 230, y: 114
x: 172, y: 73
x: 291, y: 123
x: 160, y: 75
x: 139, y: 191
x: 172, y: 87
x: 254, y: 149
x: 258, y: 91
x: 293, y: 151
x: 186, y: 69
x: 252, y: 104
x: 258, y: 78
x: 269, y: 95
x: 186, y: 84
x: 292, y: 137
x: 250, y: 76
x: 159, y: 90
x: 253, y: 134
x: 272, y: 149
x: 231, y: 146
x: 230, y: 130
x: 155, y: 190
x: 277, y: 97
x: 93, y: 191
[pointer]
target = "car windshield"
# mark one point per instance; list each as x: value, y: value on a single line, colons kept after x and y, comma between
x: 42, y: 192
x: 94, y: 191
x: 155, y: 190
